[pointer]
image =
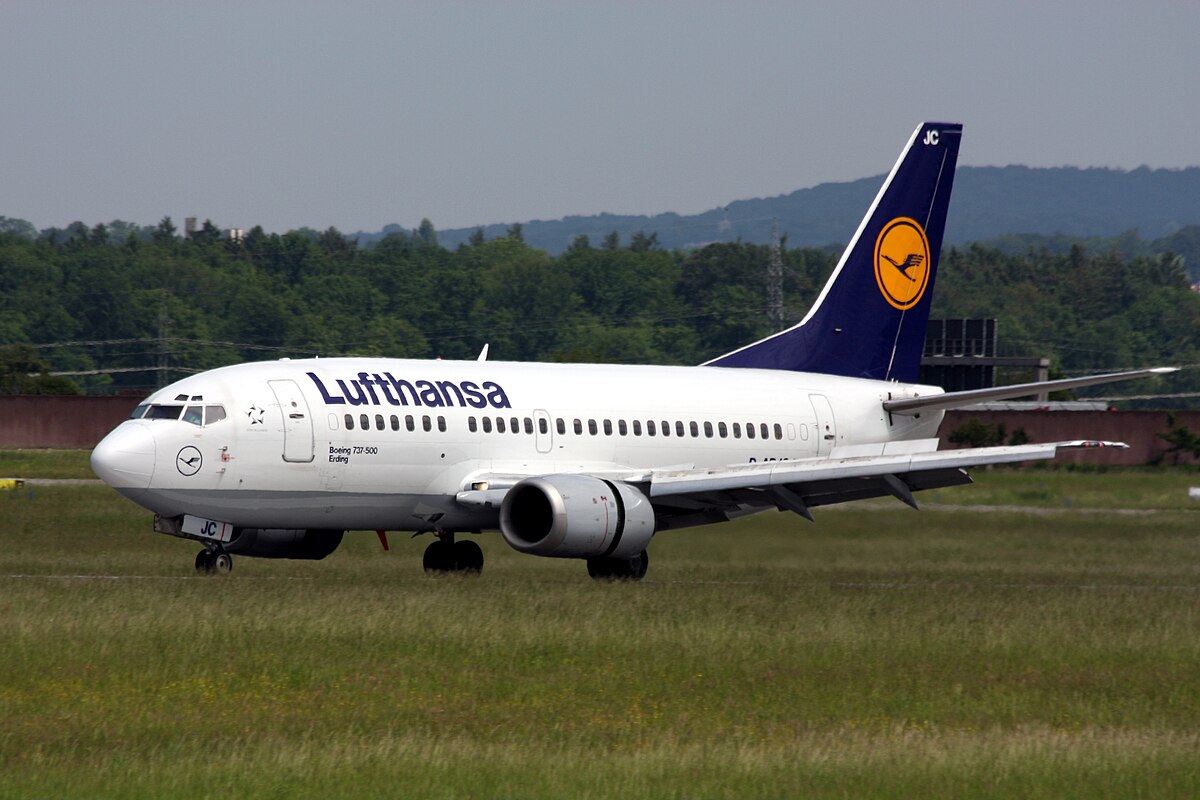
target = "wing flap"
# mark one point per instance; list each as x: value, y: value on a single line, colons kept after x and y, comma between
x: 839, y: 467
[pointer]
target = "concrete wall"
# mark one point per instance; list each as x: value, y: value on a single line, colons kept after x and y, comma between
x: 1138, y: 429
x: 59, y: 422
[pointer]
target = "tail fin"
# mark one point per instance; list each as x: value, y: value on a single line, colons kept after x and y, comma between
x: 869, y: 321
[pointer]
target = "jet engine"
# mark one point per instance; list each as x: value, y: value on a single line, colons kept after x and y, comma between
x: 575, y: 516
x: 307, y: 544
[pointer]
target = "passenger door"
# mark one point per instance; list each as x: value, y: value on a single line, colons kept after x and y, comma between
x: 826, y: 424
x: 297, y: 422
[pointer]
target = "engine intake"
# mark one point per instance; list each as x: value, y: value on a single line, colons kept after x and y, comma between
x: 575, y: 516
x: 307, y: 544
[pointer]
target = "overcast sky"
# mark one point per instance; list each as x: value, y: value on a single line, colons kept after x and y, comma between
x: 359, y: 114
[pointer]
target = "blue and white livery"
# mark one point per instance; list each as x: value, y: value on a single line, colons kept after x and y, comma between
x: 280, y: 459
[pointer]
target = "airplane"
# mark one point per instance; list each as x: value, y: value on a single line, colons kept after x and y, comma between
x: 280, y: 459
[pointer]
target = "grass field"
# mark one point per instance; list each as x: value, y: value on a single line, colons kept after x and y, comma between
x: 1050, y: 650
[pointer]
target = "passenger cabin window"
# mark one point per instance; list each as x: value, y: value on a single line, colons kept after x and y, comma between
x: 592, y: 427
x: 608, y: 427
x: 708, y: 430
x: 395, y: 422
x: 737, y: 430
x: 441, y: 424
x: 427, y: 423
x: 637, y: 427
x: 409, y: 423
x: 778, y: 431
x: 560, y: 425
x: 364, y: 422
x: 500, y: 425
x: 487, y: 424
x: 578, y: 427
x: 543, y: 425
x: 679, y: 429
x: 349, y: 422
x: 722, y: 430
x: 379, y: 424
x: 472, y: 426
x: 696, y: 430
x: 650, y: 428
x: 749, y: 430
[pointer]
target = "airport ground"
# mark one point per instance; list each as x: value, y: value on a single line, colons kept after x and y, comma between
x: 1034, y: 635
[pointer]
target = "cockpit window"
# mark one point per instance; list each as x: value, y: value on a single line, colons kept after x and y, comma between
x: 194, y: 414
x: 158, y: 411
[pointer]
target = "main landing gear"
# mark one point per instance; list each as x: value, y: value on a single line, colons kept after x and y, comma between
x: 213, y: 561
x: 446, y: 555
x: 619, y: 569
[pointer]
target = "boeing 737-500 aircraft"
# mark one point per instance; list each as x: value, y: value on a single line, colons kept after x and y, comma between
x: 279, y: 459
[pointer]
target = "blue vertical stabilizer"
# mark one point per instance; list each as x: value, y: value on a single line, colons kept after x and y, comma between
x: 869, y: 321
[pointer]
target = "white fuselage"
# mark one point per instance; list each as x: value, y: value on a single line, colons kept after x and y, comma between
x: 387, y: 444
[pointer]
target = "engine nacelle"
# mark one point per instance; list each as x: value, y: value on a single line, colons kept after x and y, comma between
x: 311, y: 545
x: 574, y: 516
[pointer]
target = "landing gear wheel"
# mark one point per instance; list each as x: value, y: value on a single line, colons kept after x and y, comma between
x: 439, y: 557
x: 447, y: 555
x: 222, y: 563
x: 619, y: 569
x: 468, y: 557
x: 214, y: 561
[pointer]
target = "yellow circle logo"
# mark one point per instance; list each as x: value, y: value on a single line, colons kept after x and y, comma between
x: 902, y: 262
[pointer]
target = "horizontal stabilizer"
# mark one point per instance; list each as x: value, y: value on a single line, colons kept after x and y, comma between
x: 941, y: 402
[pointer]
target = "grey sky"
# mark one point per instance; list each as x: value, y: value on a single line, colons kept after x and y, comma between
x: 358, y: 114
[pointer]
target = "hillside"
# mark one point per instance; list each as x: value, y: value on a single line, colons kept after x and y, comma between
x: 989, y: 203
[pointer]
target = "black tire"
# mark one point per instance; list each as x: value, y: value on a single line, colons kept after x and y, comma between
x: 204, y: 562
x: 636, y: 567
x: 439, y: 557
x: 468, y: 557
x: 619, y: 569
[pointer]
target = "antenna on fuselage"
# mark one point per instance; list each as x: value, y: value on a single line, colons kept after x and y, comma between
x: 483, y: 353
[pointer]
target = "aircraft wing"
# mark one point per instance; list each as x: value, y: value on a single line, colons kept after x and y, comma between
x: 858, y: 472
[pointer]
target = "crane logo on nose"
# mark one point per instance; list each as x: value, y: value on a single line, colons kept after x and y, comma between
x: 189, y: 461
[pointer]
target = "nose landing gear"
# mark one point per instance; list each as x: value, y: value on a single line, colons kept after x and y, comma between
x: 215, y: 561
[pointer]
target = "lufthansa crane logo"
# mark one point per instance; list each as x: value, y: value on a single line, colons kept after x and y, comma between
x: 902, y: 262
x: 188, y: 461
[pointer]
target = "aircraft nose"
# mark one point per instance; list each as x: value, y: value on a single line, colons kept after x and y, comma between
x: 125, y: 458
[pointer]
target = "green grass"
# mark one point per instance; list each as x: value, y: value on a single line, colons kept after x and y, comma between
x: 46, y: 464
x: 877, y: 653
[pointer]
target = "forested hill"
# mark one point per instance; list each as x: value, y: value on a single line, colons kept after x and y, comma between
x: 989, y: 202
x: 107, y: 312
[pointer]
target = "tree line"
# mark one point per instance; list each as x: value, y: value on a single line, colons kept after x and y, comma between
x: 140, y: 297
